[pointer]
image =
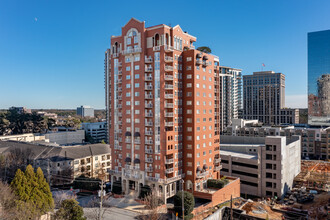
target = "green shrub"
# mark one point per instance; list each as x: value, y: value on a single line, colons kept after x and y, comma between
x: 217, y: 184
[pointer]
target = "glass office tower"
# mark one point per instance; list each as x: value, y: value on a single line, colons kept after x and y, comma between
x: 319, y: 78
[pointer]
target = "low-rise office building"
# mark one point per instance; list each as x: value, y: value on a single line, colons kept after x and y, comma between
x: 96, y: 130
x: 266, y: 166
x: 315, y: 142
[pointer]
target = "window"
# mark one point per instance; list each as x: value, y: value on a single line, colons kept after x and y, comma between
x: 137, y: 112
x: 189, y: 111
x: 128, y: 85
x: 189, y: 102
x: 137, y: 85
x: 128, y: 103
x: 189, y: 76
x: 189, y: 59
x: 197, y: 76
x: 137, y: 102
x: 128, y: 76
x: 128, y: 40
x: 128, y: 68
x: 189, y: 94
x: 137, y: 76
x: 136, y: 57
x: 136, y: 67
x: 128, y: 94
x: 189, y: 172
x: 189, y: 85
x: 137, y: 94
x: 189, y: 155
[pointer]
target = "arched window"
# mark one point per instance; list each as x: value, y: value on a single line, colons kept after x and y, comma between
x: 157, y: 42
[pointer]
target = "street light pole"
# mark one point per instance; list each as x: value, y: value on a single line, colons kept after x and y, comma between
x: 182, y: 182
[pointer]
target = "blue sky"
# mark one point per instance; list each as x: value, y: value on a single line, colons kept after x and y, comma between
x: 52, y: 52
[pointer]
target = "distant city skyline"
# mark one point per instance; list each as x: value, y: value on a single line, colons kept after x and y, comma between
x: 52, y: 53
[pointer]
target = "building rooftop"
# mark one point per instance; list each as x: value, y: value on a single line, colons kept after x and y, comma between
x: 238, y: 154
x: 55, y: 153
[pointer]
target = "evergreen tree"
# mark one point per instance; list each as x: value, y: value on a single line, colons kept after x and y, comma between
x: 32, y: 189
x: 70, y: 210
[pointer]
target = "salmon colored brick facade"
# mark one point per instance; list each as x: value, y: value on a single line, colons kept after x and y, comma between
x: 162, y: 100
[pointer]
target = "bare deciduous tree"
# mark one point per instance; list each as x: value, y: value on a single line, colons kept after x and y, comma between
x: 152, y: 207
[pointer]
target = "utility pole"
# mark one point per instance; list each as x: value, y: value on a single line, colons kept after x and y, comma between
x: 182, y: 182
x: 101, y: 192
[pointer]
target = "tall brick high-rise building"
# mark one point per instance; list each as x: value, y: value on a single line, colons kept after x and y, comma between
x: 162, y: 100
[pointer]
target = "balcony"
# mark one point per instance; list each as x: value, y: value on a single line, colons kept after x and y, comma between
x: 120, y: 72
x: 168, y: 48
x: 168, y: 77
x: 147, y: 87
x: 217, y: 160
x: 148, y: 133
x: 169, y: 114
x: 201, y: 175
x: 118, y: 105
x: 148, y: 60
x: 112, y: 172
x: 149, y: 160
x: 119, y: 97
x: 168, y: 68
x: 169, y: 161
x: 156, y: 48
x: 148, y: 96
x: 120, y: 64
x: 118, y: 147
x: 169, y: 96
x: 148, y: 151
x: 218, y: 168
x: 168, y: 59
x: 154, y: 179
x: 147, y: 78
x: 148, y: 105
x: 148, y: 114
x: 169, y: 124
x: 148, y: 123
x: 119, y: 89
x: 199, y: 62
x: 148, y: 69
x: 170, y: 170
x: 119, y: 81
x: 132, y: 50
x: 149, y: 169
x: 168, y: 105
x: 148, y: 142
x: 205, y: 63
x: 169, y: 86
x: 136, y: 141
x: 128, y: 140
x: 215, y: 67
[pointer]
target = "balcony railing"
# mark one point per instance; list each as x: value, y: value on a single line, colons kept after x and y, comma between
x: 201, y: 175
x: 148, y: 123
x: 217, y: 168
x: 148, y: 96
x: 170, y: 170
x: 168, y: 105
x: 169, y: 96
x: 168, y: 59
x: 169, y: 114
x: 115, y: 172
x: 118, y: 147
x: 149, y: 160
x: 148, y: 87
x: 148, y: 69
x: 149, y: 169
x: 168, y: 86
x: 148, y: 60
x: 217, y: 160
x: 169, y: 161
x: 148, y: 114
x: 169, y: 124
x: 115, y: 54
x: 147, y: 78
x: 168, y: 68
x: 148, y: 151
x: 148, y: 105
x: 168, y: 48
x: 148, y: 142
x: 128, y: 140
x: 132, y: 50
x: 168, y: 77
x: 156, y: 48
x: 137, y: 141
x: 199, y: 62
x: 148, y: 133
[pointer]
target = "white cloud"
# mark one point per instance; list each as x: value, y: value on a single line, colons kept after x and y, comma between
x: 36, y: 19
x: 296, y: 101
